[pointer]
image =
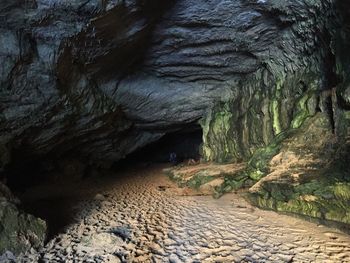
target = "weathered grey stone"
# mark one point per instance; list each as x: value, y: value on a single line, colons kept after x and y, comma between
x: 101, y: 80
x: 18, y: 231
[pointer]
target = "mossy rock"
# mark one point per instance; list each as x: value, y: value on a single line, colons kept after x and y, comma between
x: 233, y: 183
x: 324, y: 198
x: 258, y: 163
x: 317, y: 188
x: 19, y: 231
x: 198, y: 180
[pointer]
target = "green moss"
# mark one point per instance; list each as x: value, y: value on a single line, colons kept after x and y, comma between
x: 260, y: 159
x: 195, y: 181
x: 328, y: 199
x: 275, y: 108
x: 258, y: 163
x: 205, y: 149
x: 342, y: 191
x: 302, y: 111
x: 321, y: 192
x: 234, y: 129
x: 19, y: 231
x: 257, y: 125
x: 256, y: 174
x: 218, y: 144
x: 232, y: 183
x: 276, y: 118
x: 300, y: 207
x: 199, y: 179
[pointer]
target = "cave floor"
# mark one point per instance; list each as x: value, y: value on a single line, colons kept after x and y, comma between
x: 142, y: 216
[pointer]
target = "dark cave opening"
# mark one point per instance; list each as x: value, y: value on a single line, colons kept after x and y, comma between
x: 185, y: 144
x: 48, y: 192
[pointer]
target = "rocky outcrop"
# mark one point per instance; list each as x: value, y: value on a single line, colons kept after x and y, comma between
x: 283, y: 92
x: 305, y: 170
x: 309, y: 175
x: 18, y: 231
x: 207, y: 178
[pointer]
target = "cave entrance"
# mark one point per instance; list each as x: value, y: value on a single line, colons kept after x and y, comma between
x: 55, y: 199
x: 184, y: 143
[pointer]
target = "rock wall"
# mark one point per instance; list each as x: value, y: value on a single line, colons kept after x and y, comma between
x: 293, y: 125
x: 286, y: 88
x: 101, y: 79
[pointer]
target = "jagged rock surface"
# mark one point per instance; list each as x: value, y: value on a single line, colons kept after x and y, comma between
x: 309, y: 175
x: 101, y: 80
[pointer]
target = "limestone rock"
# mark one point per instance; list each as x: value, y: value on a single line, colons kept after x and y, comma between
x: 18, y: 231
x: 309, y: 175
x: 101, y: 79
x: 97, y: 80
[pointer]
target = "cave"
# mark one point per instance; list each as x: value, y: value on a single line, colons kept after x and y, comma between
x: 178, y: 131
x: 35, y: 174
x: 184, y: 143
x: 34, y: 170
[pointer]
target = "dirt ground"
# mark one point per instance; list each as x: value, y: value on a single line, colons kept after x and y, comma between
x: 139, y: 215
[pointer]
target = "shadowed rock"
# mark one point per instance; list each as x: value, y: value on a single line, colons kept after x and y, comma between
x: 101, y: 80
x: 18, y: 231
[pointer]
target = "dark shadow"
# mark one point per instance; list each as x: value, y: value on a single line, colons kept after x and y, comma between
x: 47, y: 193
x: 185, y: 144
x: 57, y: 211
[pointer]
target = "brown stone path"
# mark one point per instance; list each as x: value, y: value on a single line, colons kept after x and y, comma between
x: 143, y: 217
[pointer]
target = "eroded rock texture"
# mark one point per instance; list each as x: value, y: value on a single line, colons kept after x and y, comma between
x: 100, y: 79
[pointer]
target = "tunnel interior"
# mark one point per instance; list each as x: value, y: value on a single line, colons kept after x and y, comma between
x: 185, y: 144
x: 34, y: 170
x: 47, y: 191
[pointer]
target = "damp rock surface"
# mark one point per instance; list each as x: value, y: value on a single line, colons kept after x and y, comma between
x: 299, y: 181
x: 19, y: 231
x: 144, y: 217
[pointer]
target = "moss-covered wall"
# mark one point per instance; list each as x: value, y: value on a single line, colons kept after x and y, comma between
x: 291, y: 122
x: 233, y: 130
x: 286, y: 89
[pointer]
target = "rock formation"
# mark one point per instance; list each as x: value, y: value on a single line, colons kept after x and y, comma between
x: 96, y: 80
x: 18, y: 231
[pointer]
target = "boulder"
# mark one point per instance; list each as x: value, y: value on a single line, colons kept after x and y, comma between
x: 19, y: 231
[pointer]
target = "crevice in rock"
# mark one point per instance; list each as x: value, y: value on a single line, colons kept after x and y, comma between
x: 330, y: 112
x: 342, y: 103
